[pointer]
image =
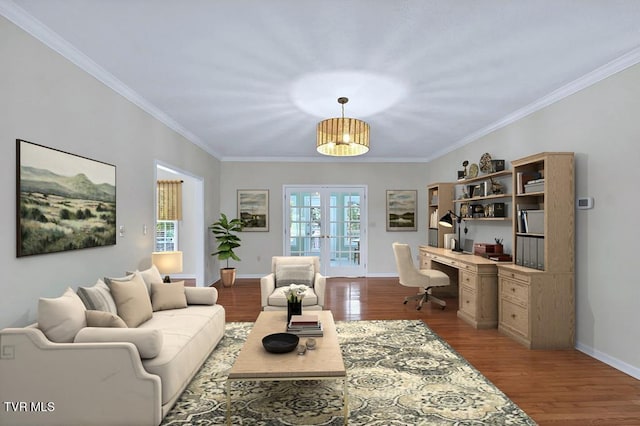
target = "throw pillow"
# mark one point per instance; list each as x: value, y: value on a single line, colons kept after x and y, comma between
x: 148, y: 341
x: 62, y: 317
x: 151, y: 275
x: 132, y: 299
x: 104, y: 319
x: 97, y: 298
x: 294, y: 274
x: 168, y: 296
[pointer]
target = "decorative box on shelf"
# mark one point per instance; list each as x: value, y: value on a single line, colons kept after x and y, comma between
x: 484, y: 249
x: 534, y: 186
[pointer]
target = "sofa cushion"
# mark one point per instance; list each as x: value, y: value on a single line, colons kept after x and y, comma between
x: 279, y: 297
x: 287, y: 274
x: 201, y: 295
x: 104, y: 319
x: 168, y: 296
x: 148, y: 341
x: 98, y: 297
x: 189, y: 337
x: 132, y: 299
x: 62, y: 317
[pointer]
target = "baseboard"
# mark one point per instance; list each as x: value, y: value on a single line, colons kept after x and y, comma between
x: 609, y: 360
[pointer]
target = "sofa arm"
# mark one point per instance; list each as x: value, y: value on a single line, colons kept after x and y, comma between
x: 201, y: 295
x: 148, y: 341
x: 74, y: 383
x: 319, y: 286
x: 267, y: 286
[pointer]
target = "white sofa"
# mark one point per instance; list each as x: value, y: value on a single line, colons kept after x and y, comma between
x: 107, y: 376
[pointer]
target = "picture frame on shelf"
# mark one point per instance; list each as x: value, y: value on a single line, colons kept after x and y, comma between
x: 64, y: 201
x: 253, y: 209
x: 402, y: 210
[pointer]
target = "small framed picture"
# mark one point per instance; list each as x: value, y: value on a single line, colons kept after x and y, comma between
x: 253, y: 209
x: 477, y: 191
x: 402, y: 210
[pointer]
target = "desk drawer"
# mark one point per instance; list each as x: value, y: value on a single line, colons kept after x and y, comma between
x: 515, y: 317
x: 467, y: 302
x: 514, y: 276
x: 451, y: 262
x: 514, y: 291
x: 468, y: 278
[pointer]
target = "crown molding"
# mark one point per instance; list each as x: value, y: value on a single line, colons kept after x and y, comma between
x: 615, y: 66
x: 41, y: 32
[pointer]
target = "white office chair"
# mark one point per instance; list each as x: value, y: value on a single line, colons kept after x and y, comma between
x: 424, y: 279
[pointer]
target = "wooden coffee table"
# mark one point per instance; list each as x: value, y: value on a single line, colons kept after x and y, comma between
x: 254, y: 363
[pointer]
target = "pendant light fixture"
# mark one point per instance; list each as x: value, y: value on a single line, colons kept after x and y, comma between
x: 342, y: 137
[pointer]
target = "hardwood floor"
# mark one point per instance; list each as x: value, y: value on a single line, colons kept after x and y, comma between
x: 554, y: 387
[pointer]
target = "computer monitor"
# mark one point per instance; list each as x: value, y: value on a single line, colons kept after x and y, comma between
x: 468, y: 246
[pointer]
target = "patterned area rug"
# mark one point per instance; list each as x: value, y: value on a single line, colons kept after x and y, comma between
x: 399, y: 373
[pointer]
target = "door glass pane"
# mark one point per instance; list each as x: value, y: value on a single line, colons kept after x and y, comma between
x: 344, y: 214
x: 304, y: 224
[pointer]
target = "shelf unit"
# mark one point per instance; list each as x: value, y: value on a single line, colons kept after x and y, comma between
x: 537, y: 304
x: 439, y: 201
x: 465, y: 206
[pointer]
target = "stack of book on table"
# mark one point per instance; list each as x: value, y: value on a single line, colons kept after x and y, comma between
x: 305, y: 325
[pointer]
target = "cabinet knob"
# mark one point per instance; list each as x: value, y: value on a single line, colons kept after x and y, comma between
x: 513, y: 289
x: 513, y: 316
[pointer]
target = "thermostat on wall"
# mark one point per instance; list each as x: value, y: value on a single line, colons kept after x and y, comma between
x: 585, y: 203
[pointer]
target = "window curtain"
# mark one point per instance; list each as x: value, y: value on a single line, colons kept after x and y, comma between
x: 170, y: 200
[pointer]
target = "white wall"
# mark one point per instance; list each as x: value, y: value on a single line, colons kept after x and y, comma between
x: 272, y: 176
x: 49, y: 101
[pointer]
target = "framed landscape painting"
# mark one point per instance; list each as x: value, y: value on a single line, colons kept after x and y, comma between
x: 402, y: 210
x: 64, y: 201
x: 253, y: 209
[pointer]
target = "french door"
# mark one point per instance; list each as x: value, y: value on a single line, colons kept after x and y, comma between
x: 326, y: 221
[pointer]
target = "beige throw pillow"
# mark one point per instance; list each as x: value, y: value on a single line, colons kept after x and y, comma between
x: 132, y: 299
x: 151, y: 275
x: 168, y: 296
x: 62, y: 317
x: 297, y: 273
x: 104, y: 319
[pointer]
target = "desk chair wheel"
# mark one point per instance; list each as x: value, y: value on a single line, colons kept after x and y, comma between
x: 405, y: 302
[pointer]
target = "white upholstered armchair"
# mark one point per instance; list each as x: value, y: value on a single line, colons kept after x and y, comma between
x: 287, y: 270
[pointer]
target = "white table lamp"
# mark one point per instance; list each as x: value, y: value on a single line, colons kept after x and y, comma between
x: 167, y: 262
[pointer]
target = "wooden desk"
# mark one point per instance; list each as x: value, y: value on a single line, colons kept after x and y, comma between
x: 476, y: 279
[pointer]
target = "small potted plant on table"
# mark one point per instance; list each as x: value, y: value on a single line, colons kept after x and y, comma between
x: 224, y: 231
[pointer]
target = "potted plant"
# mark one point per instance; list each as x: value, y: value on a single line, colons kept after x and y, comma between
x: 224, y: 231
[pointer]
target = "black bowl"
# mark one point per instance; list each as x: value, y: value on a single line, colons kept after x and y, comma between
x: 280, y: 343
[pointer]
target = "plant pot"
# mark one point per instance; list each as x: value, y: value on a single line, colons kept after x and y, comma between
x: 228, y: 276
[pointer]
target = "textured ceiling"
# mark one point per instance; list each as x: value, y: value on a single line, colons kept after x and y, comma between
x: 249, y: 80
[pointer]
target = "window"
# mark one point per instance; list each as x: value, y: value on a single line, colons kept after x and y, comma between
x: 167, y: 235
